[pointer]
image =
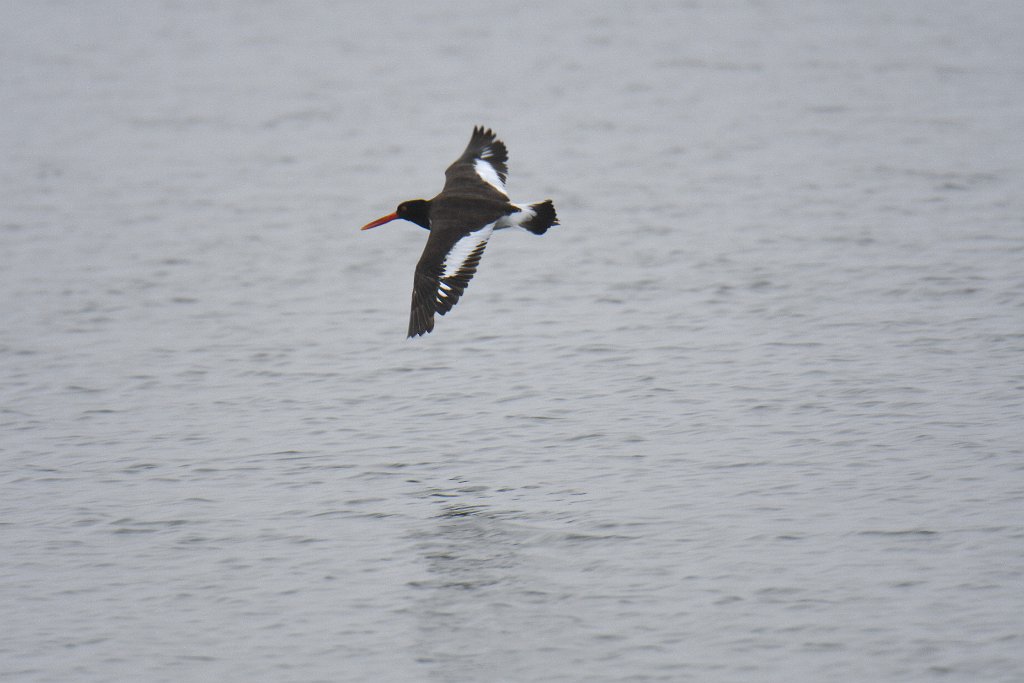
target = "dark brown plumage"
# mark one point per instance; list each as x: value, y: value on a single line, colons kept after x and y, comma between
x: 461, y: 218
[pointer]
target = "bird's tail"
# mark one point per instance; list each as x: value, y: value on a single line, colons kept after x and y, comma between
x: 544, y: 217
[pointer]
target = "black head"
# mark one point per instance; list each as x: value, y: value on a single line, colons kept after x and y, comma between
x: 415, y: 210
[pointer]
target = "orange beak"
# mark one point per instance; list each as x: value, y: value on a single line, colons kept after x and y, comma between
x: 380, y: 221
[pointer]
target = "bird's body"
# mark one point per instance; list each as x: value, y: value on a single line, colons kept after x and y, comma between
x: 470, y: 207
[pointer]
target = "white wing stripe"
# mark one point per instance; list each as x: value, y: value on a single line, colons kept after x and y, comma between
x: 461, y: 250
x: 489, y: 175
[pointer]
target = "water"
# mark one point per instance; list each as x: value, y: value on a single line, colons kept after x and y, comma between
x: 752, y: 413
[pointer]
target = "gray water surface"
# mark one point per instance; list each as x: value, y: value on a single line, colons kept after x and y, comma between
x: 751, y: 413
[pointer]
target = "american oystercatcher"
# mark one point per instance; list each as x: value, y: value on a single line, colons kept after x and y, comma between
x: 471, y: 206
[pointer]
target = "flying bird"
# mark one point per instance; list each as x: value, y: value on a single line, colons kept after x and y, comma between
x: 471, y: 206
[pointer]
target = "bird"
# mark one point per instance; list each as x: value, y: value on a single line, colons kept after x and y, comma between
x: 472, y: 204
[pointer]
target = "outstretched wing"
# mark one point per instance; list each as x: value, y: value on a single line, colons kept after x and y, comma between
x: 443, y: 273
x: 482, y: 169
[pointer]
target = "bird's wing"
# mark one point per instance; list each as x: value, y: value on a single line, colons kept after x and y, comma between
x: 482, y: 168
x: 444, y: 270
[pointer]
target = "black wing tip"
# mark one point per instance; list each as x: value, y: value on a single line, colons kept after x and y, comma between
x: 484, y: 137
x: 421, y: 317
x: 484, y: 133
x: 418, y: 328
